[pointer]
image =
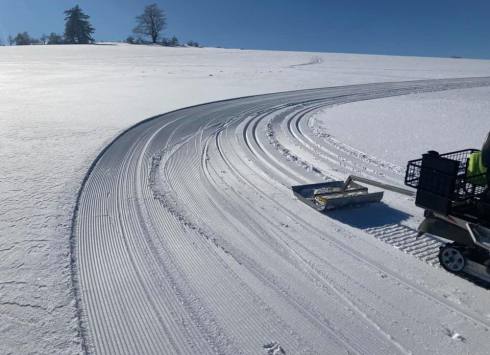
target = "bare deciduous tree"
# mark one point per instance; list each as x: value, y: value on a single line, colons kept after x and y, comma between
x: 151, y: 22
x: 44, y: 38
x: 55, y: 38
x: 11, y: 40
x: 23, y: 39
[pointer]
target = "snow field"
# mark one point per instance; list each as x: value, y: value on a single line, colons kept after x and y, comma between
x: 445, y: 122
x: 59, y: 106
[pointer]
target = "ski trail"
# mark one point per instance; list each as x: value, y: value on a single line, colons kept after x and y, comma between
x: 313, y: 61
x: 187, y: 239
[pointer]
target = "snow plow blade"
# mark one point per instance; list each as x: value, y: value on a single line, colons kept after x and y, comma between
x: 329, y: 195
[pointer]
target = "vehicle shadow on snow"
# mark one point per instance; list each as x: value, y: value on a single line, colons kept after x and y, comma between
x: 369, y: 216
x: 373, y: 218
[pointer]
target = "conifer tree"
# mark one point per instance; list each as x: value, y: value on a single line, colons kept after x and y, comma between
x: 174, y: 42
x: 78, y: 29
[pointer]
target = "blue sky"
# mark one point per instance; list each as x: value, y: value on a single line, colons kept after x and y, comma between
x: 398, y: 27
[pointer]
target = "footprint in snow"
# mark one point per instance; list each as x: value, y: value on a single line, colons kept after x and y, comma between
x: 454, y: 335
x: 274, y: 348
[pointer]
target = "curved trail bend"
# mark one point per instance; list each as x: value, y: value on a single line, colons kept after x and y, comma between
x: 187, y: 240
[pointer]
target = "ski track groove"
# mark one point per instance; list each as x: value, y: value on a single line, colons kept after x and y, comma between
x: 349, y: 336
x: 378, y: 297
x: 185, y: 241
x: 395, y: 238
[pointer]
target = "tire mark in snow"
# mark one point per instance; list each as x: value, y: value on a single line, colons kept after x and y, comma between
x: 405, y: 239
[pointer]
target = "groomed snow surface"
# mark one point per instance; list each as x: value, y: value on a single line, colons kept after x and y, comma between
x: 407, y: 125
x: 246, y: 267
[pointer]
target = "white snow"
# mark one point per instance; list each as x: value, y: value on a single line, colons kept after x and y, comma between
x: 399, y: 129
x: 60, y: 105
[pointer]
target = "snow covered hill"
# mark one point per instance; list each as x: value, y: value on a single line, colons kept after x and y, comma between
x: 60, y: 106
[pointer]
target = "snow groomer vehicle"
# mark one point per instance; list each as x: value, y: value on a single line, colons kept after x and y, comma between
x: 452, y: 188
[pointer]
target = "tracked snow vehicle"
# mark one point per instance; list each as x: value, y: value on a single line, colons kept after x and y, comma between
x: 455, y: 199
x: 457, y: 208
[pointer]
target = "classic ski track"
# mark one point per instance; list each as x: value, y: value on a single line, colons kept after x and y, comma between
x: 166, y: 203
x: 404, y: 238
x: 331, y: 267
x: 291, y: 240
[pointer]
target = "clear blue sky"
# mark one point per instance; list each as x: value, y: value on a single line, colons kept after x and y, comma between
x: 439, y: 28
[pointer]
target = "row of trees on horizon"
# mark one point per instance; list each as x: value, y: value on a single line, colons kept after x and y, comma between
x: 78, y: 30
